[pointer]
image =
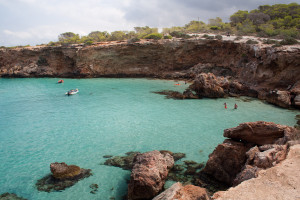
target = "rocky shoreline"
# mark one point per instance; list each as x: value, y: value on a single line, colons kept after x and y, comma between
x: 215, y: 68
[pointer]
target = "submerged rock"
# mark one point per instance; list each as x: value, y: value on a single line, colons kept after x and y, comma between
x: 149, y: 174
x: 124, y: 162
x: 187, y: 94
x: 94, y: 188
x: 62, y: 177
x: 185, y: 173
x: 10, y: 196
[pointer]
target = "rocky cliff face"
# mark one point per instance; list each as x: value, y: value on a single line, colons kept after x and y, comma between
x: 267, y: 70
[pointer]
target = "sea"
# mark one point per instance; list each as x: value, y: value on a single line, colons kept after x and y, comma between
x: 40, y: 124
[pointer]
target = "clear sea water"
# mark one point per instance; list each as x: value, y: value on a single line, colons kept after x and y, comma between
x: 39, y: 125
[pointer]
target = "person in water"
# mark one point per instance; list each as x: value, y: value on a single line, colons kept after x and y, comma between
x: 225, y: 105
x: 235, y: 106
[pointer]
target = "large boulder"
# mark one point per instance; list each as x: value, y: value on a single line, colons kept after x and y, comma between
x: 149, y: 174
x: 260, y: 132
x: 226, y: 161
x: 179, y: 192
x: 208, y: 85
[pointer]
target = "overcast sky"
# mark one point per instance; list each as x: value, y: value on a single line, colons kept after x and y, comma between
x: 41, y: 21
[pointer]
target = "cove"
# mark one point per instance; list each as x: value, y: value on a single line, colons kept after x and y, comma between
x: 39, y: 125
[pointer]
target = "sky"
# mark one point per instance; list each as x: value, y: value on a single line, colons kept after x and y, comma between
x: 34, y: 22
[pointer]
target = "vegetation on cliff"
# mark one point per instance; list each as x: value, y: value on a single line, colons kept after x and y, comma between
x: 276, y: 21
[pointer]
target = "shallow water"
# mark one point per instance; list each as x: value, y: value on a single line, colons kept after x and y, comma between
x: 40, y: 125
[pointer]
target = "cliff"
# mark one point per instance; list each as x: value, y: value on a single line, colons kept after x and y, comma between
x: 260, y: 67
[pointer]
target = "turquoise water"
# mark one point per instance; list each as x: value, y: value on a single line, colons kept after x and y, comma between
x: 40, y: 125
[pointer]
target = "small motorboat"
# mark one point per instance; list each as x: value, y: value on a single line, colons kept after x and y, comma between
x: 60, y: 81
x: 71, y: 92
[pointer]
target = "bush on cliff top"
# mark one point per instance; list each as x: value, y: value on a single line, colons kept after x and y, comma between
x: 288, y: 41
x: 155, y: 36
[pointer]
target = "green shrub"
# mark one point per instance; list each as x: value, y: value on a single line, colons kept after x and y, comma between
x: 288, y: 41
x: 178, y: 34
x: 167, y: 37
x: 205, y: 36
x: 251, y: 42
x: 218, y: 37
x: 88, y: 42
x: 155, y: 36
x: 269, y: 41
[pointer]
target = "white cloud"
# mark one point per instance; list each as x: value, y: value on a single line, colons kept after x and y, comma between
x: 41, y: 21
x: 20, y: 35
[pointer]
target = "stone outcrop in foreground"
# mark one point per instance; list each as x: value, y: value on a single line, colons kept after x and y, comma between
x: 279, y: 182
x: 253, y: 146
x: 62, y: 177
x: 179, y: 192
x: 148, y: 175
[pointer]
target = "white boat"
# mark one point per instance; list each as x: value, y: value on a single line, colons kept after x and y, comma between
x: 71, y: 92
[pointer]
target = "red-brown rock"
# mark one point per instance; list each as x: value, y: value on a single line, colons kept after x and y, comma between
x: 279, y: 98
x: 208, y: 85
x: 179, y: 192
x: 226, y: 161
x: 62, y: 170
x: 148, y: 175
x: 270, y: 157
x: 259, y: 132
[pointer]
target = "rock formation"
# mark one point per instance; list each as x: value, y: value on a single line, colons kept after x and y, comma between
x: 279, y: 182
x: 148, y: 175
x: 252, y: 146
x: 226, y: 161
x: 62, y: 177
x: 179, y: 192
x: 260, y: 132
